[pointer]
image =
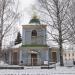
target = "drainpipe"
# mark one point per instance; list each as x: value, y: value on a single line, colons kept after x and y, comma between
x: 48, y: 57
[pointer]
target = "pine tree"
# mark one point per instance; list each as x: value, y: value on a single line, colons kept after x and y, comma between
x: 18, y: 39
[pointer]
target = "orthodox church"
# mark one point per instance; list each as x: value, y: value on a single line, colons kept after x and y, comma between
x: 34, y: 49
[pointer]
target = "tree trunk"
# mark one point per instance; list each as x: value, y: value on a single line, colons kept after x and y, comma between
x: 60, y: 34
x: 61, y: 49
x: 1, y: 50
x: 60, y: 43
x: 1, y: 36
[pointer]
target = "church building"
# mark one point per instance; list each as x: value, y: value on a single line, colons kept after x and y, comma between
x: 34, y: 50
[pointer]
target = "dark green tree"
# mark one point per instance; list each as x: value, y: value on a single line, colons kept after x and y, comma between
x: 18, y: 39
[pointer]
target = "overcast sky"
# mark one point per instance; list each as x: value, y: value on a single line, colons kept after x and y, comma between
x: 25, y: 7
x: 26, y: 3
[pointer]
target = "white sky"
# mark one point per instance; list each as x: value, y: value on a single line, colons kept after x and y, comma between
x: 25, y: 7
x: 26, y: 3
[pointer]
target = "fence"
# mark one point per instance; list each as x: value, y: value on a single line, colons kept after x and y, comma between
x: 31, y: 61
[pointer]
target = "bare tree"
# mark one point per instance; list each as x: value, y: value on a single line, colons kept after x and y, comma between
x: 8, y: 16
x: 56, y: 15
x: 71, y: 24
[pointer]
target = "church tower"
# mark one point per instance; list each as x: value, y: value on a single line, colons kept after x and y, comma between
x: 34, y: 33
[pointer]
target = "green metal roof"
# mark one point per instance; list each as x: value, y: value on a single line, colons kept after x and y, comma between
x: 34, y: 45
x: 35, y: 20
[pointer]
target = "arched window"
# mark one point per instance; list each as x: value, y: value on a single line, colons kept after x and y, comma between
x: 72, y: 54
x: 69, y: 54
x: 34, y: 33
x: 65, y: 54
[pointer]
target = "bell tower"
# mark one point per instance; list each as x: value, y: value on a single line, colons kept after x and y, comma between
x: 34, y: 33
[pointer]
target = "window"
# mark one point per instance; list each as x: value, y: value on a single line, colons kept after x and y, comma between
x: 72, y: 54
x: 65, y: 54
x: 69, y: 54
x: 34, y: 33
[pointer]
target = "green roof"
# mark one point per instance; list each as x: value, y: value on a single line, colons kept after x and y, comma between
x: 35, y: 20
x: 34, y: 46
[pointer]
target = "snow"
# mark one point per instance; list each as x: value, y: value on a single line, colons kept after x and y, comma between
x: 17, y: 46
x: 1, y: 62
x: 68, y: 69
x: 38, y: 71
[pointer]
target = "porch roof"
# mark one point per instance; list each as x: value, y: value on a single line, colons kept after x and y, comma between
x: 34, y: 45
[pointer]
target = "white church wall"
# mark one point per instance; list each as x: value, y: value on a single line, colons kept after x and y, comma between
x: 44, y: 36
x: 27, y: 38
x: 23, y: 36
x: 39, y: 37
x: 25, y: 56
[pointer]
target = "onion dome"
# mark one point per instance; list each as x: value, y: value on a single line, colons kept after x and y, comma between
x: 34, y: 20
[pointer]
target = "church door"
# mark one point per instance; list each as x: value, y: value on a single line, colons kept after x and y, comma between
x: 54, y: 57
x: 34, y: 59
x: 15, y: 60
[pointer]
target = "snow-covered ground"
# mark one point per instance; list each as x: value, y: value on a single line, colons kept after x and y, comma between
x: 68, y: 69
x: 37, y: 71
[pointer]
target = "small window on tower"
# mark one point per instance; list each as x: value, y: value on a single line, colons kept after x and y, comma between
x: 65, y: 54
x: 69, y: 54
x: 72, y: 54
x: 34, y: 33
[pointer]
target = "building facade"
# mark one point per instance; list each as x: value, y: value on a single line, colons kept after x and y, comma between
x: 54, y: 54
x: 34, y: 49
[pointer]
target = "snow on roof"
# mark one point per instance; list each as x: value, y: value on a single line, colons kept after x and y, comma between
x: 34, y: 24
x: 17, y: 46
